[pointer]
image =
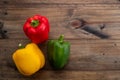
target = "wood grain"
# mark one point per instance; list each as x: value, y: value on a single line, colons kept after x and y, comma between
x: 65, y: 75
x: 61, y: 19
x: 91, y: 57
x: 85, y: 55
x: 62, y: 1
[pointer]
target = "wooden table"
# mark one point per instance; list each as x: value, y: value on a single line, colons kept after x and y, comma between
x: 91, y: 57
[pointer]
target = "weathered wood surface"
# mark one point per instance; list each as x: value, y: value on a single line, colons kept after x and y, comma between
x: 91, y: 58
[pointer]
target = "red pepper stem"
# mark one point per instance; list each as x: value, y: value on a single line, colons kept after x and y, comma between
x: 35, y: 23
x: 61, y: 38
x: 20, y: 46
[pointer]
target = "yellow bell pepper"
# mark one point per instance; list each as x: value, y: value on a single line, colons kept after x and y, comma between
x: 29, y: 60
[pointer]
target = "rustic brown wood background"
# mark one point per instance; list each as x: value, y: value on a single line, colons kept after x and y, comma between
x: 91, y: 57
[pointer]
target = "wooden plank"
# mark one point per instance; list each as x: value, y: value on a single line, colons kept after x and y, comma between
x: 59, y: 19
x: 92, y: 55
x: 92, y: 13
x: 64, y: 75
x: 15, y: 28
x: 60, y: 2
x: 70, y: 6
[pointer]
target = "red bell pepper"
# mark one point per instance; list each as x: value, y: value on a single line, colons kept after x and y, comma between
x: 36, y: 28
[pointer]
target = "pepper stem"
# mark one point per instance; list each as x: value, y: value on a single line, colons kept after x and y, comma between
x: 61, y: 38
x: 35, y: 23
x: 20, y: 46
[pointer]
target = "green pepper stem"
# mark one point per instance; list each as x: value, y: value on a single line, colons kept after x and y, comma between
x: 20, y: 46
x: 35, y: 23
x: 61, y: 38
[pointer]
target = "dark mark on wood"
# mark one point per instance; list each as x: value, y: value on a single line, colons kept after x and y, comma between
x: 103, y: 54
x: 81, y: 24
x: 95, y: 32
x: 1, y: 25
x: 2, y: 32
x: 102, y: 26
x: 5, y: 2
x: 115, y: 44
x: 5, y: 50
x: 5, y: 13
x: 77, y: 23
x: 115, y: 61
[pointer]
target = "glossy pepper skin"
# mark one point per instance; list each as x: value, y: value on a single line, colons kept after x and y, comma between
x: 29, y: 60
x: 58, y: 52
x: 37, y: 29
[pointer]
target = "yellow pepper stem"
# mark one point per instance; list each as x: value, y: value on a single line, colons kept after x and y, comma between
x: 20, y: 46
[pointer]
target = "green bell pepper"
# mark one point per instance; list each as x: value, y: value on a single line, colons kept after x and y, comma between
x: 58, y: 52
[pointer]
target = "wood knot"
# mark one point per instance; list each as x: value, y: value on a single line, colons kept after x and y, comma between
x: 77, y: 23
